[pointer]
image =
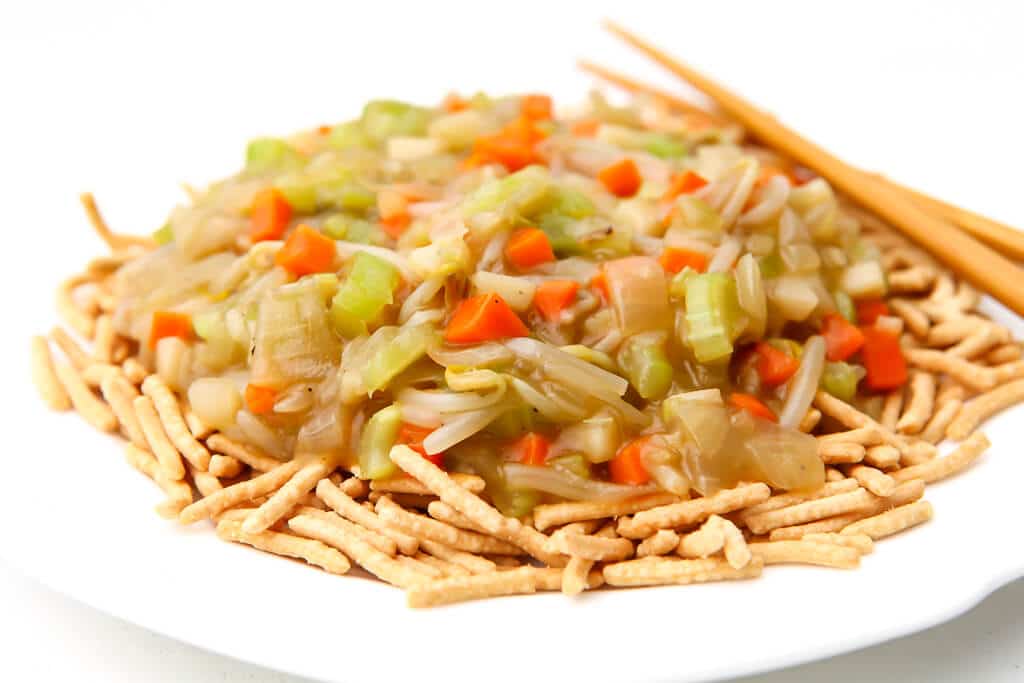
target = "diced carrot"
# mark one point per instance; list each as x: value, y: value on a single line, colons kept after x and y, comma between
x: 169, y: 324
x: 585, y: 128
x: 774, y: 366
x: 674, y: 260
x: 532, y: 449
x: 453, y: 103
x: 554, y: 296
x: 883, y: 359
x: 323, y: 130
x: 868, y: 310
x: 269, y: 216
x: 396, y: 224
x: 599, y: 283
x: 752, y: 405
x: 259, y: 399
x: 622, y: 178
x: 481, y: 318
x: 513, y: 146
x: 536, y: 107
x: 412, y: 436
x: 686, y: 182
x: 627, y: 467
x: 842, y: 338
x: 306, y: 251
x: 529, y: 247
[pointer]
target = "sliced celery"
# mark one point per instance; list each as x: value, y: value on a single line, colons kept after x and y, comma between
x: 518, y: 502
x: 518, y: 194
x: 337, y: 189
x: 713, y: 315
x: 570, y: 202
x: 383, y: 119
x: 376, y: 441
x: 298, y: 191
x: 845, y: 306
x: 840, y: 380
x: 576, y: 463
x: 664, y: 146
x: 165, y: 235
x: 270, y: 154
x: 349, y: 228
x: 368, y: 289
x: 407, y: 347
x: 646, y: 366
x: 348, y: 135
x: 555, y: 226
x: 677, y: 287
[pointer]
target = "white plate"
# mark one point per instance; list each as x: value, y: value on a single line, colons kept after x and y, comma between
x: 85, y: 526
x: 129, y: 103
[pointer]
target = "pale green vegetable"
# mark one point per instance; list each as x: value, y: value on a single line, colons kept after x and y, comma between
x: 406, y: 346
x: 383, y: 119
x: 713, y: 315
x: 376, y: 441
x: 840, y: 380
x: 369, y: 287
x: 645, y: 363
x: 270, y: 154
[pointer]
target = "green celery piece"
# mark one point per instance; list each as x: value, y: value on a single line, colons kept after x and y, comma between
x: 376, y: 441
x: 771, y: 266
x: 845, y: 306
x: 518, y: 502
x: 383, y: 119
x: 269, y: 154
x: 348, y: 135
x: 665, y: 146
x: 299, y: 192
x: 356, y: 197
x: 165, y: 235
x: 349, y: 228
x: 521, y: 193
x: 513, y: 423
x: 569, y: 202
x: 555, y: 226
x: 677, y: 287
x: 572, y: 462
x: 408, y: 346
x: 647, y: 368
x: 840, y: 380
x: 368, y: 289
x: 712, y: 315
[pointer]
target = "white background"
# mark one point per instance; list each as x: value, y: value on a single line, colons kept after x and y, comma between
x: 128, y: 99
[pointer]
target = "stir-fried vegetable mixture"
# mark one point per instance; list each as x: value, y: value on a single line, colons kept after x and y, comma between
x: 571, y: 308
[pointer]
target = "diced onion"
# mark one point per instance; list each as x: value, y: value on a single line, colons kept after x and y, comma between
x: 794, y: 298
x: 215, y: 400
x: 516, y: 291
x: 638, y: 291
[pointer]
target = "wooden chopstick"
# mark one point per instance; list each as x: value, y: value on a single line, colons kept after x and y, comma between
x: 976, y: 262
x: 1007, y: 240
